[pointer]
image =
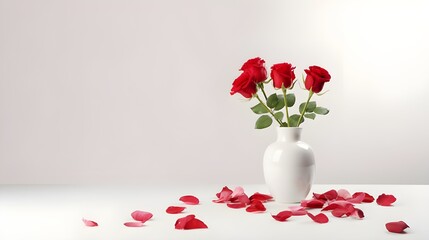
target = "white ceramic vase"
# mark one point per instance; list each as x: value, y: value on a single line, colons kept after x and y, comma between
x: 289, y: 166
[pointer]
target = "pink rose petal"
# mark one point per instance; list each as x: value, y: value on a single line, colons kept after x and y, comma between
x: 367, y: 199
x: 195, y: 224
x: 141, y: 216
x: 385, y: 200
x: 343, y: 194
x: 89, y: 223
x: 181, y: 222
x: 396, y: 227
x: 298, y: 210
x: 357, y: 213
x: 282, y: 216
x: 319, y: 218
x: 134, y: 224
x: 240, y: 199
x: 312, y: 203
x: 329, y: 195
x: 238, y: 191
x: 357, y: 198
x: 174, y: 209
x: 189, y: 199
x: 256, y: 206
x: 260, y: 197
x: 224, y: 195
x: 236, y: 205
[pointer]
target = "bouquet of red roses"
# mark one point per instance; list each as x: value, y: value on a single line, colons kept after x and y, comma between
x: 254, y: 77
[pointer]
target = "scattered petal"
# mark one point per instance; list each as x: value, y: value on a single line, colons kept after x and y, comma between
x: 282, y: 216
x: 312, y: 203
x: 236, y: 205
x: 357, y: 213
x: 368, y: 198
x: 224, y: 195
x: 189, y: 199
x: 241, y: 199
x: 89, y: 223
x: 343, y: 194
x: 341, y: 210
x: 357, y: 198
x: 385, y: 200
x: 134, y: 224
x: 396, y: 227
x: 238, y: 191
x: 141, y: 216
x: 195, y: 223
x: 181, y: 222
x: 175, y: 209
x: 329, y: 195
x: 256, y: 206
x: 319, y: 218
x: 337, y: 204
x: 260, y: 197
x: 298, y: 210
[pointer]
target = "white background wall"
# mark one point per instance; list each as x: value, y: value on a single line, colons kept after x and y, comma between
x: 138, y: 91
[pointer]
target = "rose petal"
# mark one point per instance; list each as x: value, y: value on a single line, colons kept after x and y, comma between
x: 337, y: 204
x: 396, y: 227
x: 260, y: 197
x: 298, y: 210
x: 357, y: 198
x: 312, y: 203
x: 357, y: 213
x: 282, y: 216
x: 343, y: 194
x: 134, y: 224
x: 224, y: 195
x: 329, y: 195
x: 319, y: 218
x: 175, y: 209
x: 181, y: 222
x: 256, y: 206
x: 141, y: 216
x: 89, y: 223
x: 236, y: 205
x: 341, y: 210
x: 189, y: 199
x: 367, y: 199
x: 195, y: 223
x: 385, y: 200
x: 238, y: 191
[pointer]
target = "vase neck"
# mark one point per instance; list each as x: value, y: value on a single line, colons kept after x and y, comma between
x: 288, y: 134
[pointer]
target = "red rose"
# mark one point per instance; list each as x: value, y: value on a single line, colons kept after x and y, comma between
x: 282, y: 74
x: 255, y: 67
x: 244, y: 85
x: 316, y: 78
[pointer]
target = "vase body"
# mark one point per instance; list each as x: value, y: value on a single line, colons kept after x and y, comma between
x: 289, y: 166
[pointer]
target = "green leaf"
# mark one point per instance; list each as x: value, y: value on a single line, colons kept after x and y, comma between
x: 259, y: 109
x: 280, y: 103
x: 310, y: 115
x: 310, y: 107
x: 272, y: 100
x: 321, y: 110
x: 290, y: 97
x: 279, y: 116
x: 263, y: 121
x: 293, y: 120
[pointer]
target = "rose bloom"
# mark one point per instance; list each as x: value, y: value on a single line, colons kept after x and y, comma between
x: 282, y: 74
x: 255, y: 67
x: 316, y: 78
x: 244, y: 85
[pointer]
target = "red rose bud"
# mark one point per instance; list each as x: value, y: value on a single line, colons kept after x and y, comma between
x: 256, y: 69
x: 282, y: 74
x: 244, y: 85
x: 316, y: 78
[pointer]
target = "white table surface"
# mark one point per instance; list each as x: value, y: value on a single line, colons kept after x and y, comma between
x: 55, y: 212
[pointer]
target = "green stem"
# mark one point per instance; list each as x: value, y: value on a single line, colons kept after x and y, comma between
x: 285, y: 99
x: 261, y: 86
x: 310, y: 94
x: 268, y: 109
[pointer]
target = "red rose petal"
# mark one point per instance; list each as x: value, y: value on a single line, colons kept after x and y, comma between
x: 396, y: 227
x: 189, y: 199
x: 256, y: 206
x: 141, y: 216
x: 357, y: 198
x: 174, y: 209
x: 319, y: 218
x: 134, y: 224
x: 329, y: 195
x: 282, y: 216
x: 89, y: 223
x: 357, y: 213
x: 312, y: 203
x: 367, y: 199
x: 181, y: 222
x: 260, y: 197
x: 224, y: 195
x: 343, y: 194
x: 385, y: 200
x: 339, y: 212
x: 337, y: 204
x: 298, y: 210
x: 236, y: 205
x: 195, y: 224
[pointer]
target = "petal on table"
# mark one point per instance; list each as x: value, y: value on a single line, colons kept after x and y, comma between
x: 134, y: 224
x: 368, y: 198
x: 141, y: 216
x: 312, y: 203
x: 343, y: 194
x: 396, y: 227
x: 224, y: 195
x: 256, y: 206
x: 282, y: 216
x: 329, y: 195
x: 357, y: 213
x: 181, y: 222
x: 357, y: 198
x: 238, y: 191
x: 189, y: 199
x: 89, y: 223
x: 298, y: 210
x: 195, y: 223
x: 236, y: 205
x: 337, y: 204
x: 319, y: 218
x: 260, y: 197
x: 175, y: 209
x: 385, y: 200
